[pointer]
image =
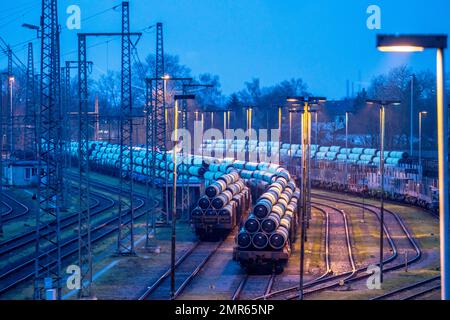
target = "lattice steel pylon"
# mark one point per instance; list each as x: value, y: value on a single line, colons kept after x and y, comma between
x: 84, y: 214
x: 65, y: 136
x: 29, y: 146
x: 125, y: 239
x: 159, y: 114
x: 66, y: 103
x: 157, y: 132
x: 150, y: 228
x: 48, y: 241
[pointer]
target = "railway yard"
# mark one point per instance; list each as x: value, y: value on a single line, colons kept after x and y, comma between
x: 127, y: 175
x: 342, y: 243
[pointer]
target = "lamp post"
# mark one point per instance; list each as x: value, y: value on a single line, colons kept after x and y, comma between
x: 421, y: 115
x: 249, y: 116
x: 224, y: 123
x: 226, y: 126
x: 383, y: 104
x: 1, y: 148
x: 417, y: 43
x: 174, y: 193
x: 203, y: 130
x: 346, y: 148
x: 249, y: 113
x: 411, y: 133
x: 291, y: 111
x: 280, y: 120
x: 303, y: 105
x: 316, y: 129
x: 165, y: 78
x: 11, y: 119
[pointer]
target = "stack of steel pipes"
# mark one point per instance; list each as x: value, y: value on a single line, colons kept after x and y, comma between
x: 273, y: 222
x: 226, y: 197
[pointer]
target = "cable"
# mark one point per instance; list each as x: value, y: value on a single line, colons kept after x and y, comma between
x: 82, y: 20
x: 19, y: 62
x: 88, y: 47
x: 16, y: 18
x: 17, y: 10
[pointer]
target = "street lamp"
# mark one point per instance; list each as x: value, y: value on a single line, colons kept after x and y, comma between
x: 421, y: 115
x: 415, y: 43
x: 174, y: 199
x: 249, y: 115
x: 303, y: 105
x: 383, y: 104
x: 346, y: 147
x: 411, y: 114
x: 280, y: 120
x: 32, y: 27
x: 165, y: 78
x: 347, y: 113
x: 11, y: 123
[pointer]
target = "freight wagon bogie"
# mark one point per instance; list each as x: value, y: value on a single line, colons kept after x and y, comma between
x: 262, y: 261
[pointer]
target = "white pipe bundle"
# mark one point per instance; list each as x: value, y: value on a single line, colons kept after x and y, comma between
x: 270, y: 224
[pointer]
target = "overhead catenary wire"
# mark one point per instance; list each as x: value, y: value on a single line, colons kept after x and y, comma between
x: 65, y: 28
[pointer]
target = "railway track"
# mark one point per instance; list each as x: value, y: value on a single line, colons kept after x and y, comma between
x: 329, y: 278
x: 186, y: 267
x: 333, y: 281
x: 338, y: 240
x: 412, y: 291
x: 397, y: 228
x: 6, y: 212
x: 390, y: 263
x: 253, y: 286
x: 29, y: 237
x: 267, y: 294
x: 15, y: 208
x: 25, y: 270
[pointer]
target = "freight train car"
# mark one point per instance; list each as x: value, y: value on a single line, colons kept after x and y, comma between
x: 266, y: 238
x: 222, y: 207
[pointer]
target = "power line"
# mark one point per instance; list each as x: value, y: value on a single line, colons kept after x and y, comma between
x: 82, y: 20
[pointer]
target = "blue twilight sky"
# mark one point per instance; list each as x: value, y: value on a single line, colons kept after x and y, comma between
x: 325, y: 42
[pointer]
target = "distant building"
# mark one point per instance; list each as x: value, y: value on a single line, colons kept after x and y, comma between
x: 21, y: 173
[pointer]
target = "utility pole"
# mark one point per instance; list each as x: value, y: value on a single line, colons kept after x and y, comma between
x: 125, y: 226
x: 48, y: 242
x: 177, y: 98
x: 382, y: 131
x: 421, y: 115
x: 30, y: 108
x: 154, y: 147
x: 185, y: 197
x: 67, y: 100
x: 10, y: 102
x: 411, y: 132
x: 150, y: 230
x: 1, y: 156
x: 346, y: 148
x: 159, y: 127
x: 84, y: 212
x: 125, y: 242
x: 383, y: 104
x: 303, y: 105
